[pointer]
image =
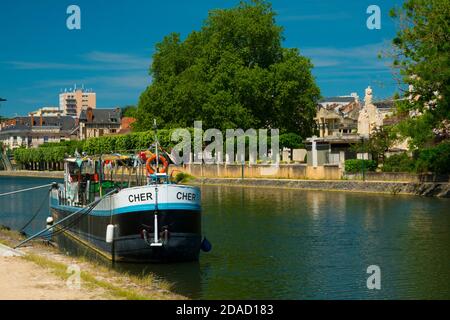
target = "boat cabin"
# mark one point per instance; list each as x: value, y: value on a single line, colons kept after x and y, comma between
x: 88, y: 179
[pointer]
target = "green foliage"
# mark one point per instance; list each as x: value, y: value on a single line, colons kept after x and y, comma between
x: 419, y: 130
x: 70, y: 145
x: 380, y: 141
x: 291, y: 141
x: 129, y: 111
x: 357, y: 165
x: 46, y: 154
x: 399, y: 163
x: 422, y: 54
x: 435, y: 159
x: 233, y: 73
x: 183, y: 177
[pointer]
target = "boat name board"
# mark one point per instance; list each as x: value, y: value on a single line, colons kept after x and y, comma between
x: 143, y: 197
x: 186, y: 196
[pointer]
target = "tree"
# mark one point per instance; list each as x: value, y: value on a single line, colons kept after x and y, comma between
x: 380, y: 141
x: 233, y: 73
x: 291, y: 141
x: 129, y: 111
x: 422, y: 54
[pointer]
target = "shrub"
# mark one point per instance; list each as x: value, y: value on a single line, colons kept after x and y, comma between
x: 399, y: 163
x: 357, y: 165
x: 435, y: 159
x: 183, y: 177
x: 291, y: 141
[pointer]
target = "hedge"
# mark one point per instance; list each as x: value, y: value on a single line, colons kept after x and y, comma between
x: 434, y: 159
x: 357, y: 165
x: 399, y: 163
x: 56, y: 152
x: 47, y: 154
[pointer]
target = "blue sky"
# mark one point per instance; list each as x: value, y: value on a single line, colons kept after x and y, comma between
x: 112, y: 52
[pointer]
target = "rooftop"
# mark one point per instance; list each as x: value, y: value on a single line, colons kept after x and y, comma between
x: 344, y: 99
x: 23, y: 124
x: 102, y: 116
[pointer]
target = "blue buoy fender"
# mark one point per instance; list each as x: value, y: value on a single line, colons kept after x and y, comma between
x: 206, y: 245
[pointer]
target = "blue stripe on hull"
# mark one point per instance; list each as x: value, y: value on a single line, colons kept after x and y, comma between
x: 137, y: 208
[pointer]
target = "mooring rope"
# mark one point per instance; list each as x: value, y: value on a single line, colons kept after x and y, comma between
x: 25, y: 190
x: 36, y: 213
x: 89, y: 207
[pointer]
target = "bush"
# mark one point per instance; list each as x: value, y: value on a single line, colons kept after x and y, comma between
x: 70, y: 146
x: 183, y: 177
x: 399, y: 163
x: 435, y: 159
x: 357, y: 165
x: 291, y: 141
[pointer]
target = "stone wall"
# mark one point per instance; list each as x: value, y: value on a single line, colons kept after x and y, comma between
x: 441, y: 190
x: 398, y: 177
x: 292, y: 171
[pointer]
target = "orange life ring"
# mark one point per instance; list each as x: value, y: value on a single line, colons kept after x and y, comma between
x: 152, y: 159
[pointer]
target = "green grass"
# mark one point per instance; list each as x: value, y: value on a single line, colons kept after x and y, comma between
x: 129, y: 287
x: 60, y: 270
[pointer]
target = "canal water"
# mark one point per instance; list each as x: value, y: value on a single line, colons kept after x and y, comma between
x: 293, y: 244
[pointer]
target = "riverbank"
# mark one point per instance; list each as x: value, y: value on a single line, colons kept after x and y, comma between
x: 427, y: 189
x: 42, y: 272
x: 33, y: 174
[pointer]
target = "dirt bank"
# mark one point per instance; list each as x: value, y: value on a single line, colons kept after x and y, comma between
x: 42, y: 272
x: 23, y: 280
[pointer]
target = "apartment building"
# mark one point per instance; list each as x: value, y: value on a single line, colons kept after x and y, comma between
x: 73, y: 101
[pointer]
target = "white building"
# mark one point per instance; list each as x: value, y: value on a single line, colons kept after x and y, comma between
x: 47, y: 112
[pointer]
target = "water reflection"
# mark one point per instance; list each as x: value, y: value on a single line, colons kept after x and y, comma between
x: 16, y: 210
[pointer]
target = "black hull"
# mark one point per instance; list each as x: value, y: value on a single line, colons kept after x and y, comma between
x: 181, y: 244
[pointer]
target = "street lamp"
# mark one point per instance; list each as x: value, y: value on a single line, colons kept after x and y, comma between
x: 363, y: 159
x: 2, y: 100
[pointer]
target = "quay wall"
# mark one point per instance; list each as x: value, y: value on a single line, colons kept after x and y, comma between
x: 303, y: 172
x: 428, y: 189
x: 285, y: 171
x: 293, y: 176
x: 33, y: 174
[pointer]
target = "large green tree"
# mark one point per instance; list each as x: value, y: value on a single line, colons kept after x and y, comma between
x: 233, y: 73
x: 422, y: 54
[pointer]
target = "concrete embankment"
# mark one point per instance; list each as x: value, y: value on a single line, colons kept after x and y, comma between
x: 410, y: 188
x: 428, y: 189
x: 33, y: 174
